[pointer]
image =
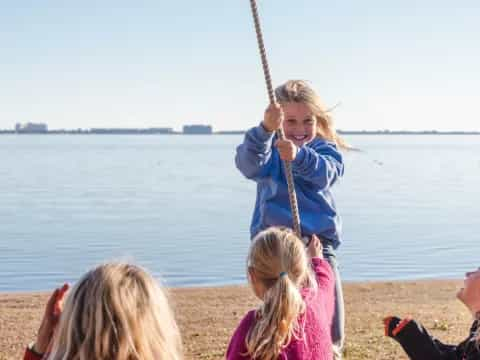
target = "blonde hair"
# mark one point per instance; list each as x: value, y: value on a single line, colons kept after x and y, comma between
x: 300, y: 91
x: 278, y: 260
x: 117, y: 312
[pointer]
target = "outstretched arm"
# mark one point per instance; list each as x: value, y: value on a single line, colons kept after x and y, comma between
x: 53, y: 309
x: 416, y: 341
x: 323, y: 271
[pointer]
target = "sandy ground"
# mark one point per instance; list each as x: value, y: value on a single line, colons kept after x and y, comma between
x: 208, y: 316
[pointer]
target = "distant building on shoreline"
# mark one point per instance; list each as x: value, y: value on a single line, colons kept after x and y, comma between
x: 198, y: 130
x: 125, y: 131
x: 31, y: 128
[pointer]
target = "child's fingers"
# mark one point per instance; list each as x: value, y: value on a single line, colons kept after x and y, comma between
x: 311, y: 243
x: 280, y: 144
x: 314, y: 246
x: 61, y: 294
x: 49, y: 307
x: 286, y: 155
x: 272, y: 120
x: 58, y: 307
x: 285, y: 143
x: 311, y: 247
x: 317, y: 242
x: 284, y: 146
x: 274, y: 107
x: 274, y: 110
x: 49, y: 313
x: 63, y: 290
x: 51, y: 299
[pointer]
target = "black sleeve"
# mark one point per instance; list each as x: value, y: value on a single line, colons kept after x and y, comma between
x: 420, y: 345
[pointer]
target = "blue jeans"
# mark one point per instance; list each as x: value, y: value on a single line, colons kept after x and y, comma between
x: 338, y: 323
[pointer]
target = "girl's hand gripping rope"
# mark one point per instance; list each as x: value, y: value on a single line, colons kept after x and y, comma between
x: 315, y: 248
x: 287, y: 149
x: 272, y: 120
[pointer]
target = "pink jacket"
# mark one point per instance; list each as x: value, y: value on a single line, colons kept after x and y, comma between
x: 316, y: 322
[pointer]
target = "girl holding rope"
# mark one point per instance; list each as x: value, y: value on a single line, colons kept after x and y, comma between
x: 312, y: 147
x: 297, y: 289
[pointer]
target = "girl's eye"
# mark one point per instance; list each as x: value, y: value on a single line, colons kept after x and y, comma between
x: 291, y: 121
x: 308, y: 121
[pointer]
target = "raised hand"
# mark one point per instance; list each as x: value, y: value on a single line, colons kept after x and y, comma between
x: 272, y: 120
x: 53, y: 310
x: 393, y: 325
x: 315, y: 248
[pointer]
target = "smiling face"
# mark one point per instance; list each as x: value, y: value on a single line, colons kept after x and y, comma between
x: 470, y: 293
x: 299, y: 125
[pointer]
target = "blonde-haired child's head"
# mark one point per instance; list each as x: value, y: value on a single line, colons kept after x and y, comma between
x: 305, y: 115
x: 278, y: 269
x: 117, y: 311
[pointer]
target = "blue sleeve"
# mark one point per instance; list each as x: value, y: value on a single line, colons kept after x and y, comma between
x: 321, y: 164
x: 254, y: 155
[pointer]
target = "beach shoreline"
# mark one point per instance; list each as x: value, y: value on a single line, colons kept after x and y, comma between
x: 208, y: 315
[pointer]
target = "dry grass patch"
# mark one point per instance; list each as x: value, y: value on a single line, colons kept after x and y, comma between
x: 208, y: 316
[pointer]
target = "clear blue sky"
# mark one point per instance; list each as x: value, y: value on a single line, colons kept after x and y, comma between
x: 392, y: 64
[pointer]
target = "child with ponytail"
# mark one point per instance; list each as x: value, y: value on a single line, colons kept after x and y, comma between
x: 297, y: 292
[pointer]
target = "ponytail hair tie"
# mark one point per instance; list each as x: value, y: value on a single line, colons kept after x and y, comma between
x: 282, y: 274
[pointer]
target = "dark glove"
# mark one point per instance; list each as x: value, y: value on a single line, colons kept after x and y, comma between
x: 393, y: 325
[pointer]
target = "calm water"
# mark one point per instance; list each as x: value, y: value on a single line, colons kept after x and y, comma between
x: 177, y: 205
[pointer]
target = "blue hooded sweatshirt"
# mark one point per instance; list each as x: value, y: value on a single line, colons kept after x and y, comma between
x: 316, y: 168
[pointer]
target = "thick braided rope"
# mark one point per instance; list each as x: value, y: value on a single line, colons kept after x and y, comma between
x: 268, y: 80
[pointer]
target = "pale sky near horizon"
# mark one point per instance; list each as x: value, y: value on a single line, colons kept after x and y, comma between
x: 392, y: 64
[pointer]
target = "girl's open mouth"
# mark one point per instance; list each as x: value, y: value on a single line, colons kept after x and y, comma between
x: 299, y: 137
